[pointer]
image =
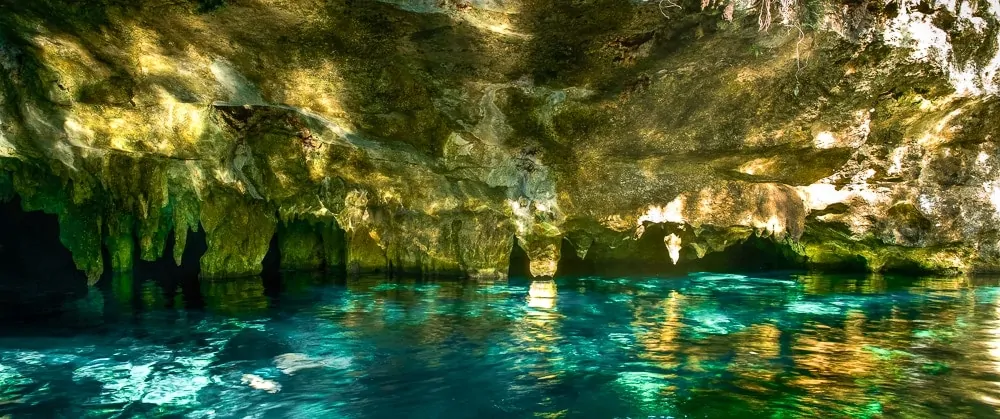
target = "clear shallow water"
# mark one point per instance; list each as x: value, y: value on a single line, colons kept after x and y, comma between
x: 706, y: 345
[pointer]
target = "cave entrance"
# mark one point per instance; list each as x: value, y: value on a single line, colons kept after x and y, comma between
x: 179, y: 284
x: 520, y: 265
x: 37, y: 273
x: 648, y: 256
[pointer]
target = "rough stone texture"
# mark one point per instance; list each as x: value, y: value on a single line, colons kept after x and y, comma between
x: 426, y: 136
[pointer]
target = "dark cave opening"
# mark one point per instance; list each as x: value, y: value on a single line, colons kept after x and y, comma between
x: 36, y: 267
x: 649, y: 256
x: 755, y: 254
x: 520, y: 265
x: 173, y: 278
x: 39, y: 279
x: 271, y: 268
x: 176, y: 285
x: 195, y: 246
x: 37, y: 273
x: 570, y: 262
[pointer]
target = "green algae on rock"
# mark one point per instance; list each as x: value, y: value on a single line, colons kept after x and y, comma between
x: 431, y: 137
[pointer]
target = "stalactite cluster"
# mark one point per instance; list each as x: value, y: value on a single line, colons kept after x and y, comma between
x: 433, y: 138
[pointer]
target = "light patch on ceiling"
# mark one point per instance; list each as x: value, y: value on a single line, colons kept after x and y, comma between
x: 825, y: 140
x: 7, y: 149
x: 982, y: 158
x: 771, y: 226
x: 818, y: 196
x: 670, y: 213
x: 235, y: 86
x: 757, y: 166
x: 927, y: 42
x: 489, y: 15
x: 897, y: 160
x: 992, y: 190
x: 927, y: 203
x: 186, y: 118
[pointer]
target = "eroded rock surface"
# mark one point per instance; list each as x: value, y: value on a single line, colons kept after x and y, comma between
x: 428, y: 136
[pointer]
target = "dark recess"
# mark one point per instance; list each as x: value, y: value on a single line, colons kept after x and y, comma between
x: 271, y: 273
x: 519, y: 263
x: 648, y: 256
x: 37, y: 273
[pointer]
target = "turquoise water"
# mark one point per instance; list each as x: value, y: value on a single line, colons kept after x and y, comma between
x: 704, y: 345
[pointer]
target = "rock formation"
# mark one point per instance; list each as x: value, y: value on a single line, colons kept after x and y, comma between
x: 431, y: 136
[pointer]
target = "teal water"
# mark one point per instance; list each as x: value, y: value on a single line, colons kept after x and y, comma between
x: 704, y: 345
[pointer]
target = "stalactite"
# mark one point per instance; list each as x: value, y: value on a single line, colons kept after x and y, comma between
x: 120, y: 241
x: 301, y: 244
x: 238, y: 231
x: 364, y: 253
x: 334, y: 245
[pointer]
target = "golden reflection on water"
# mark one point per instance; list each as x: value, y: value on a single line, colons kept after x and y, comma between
x: 993, y: 349
x: 759, y: 345
x: 537, y: 335
x: 817, y: 284
x: 542, y: 294
x: 538, y: 330
x: 658, y: 338
x: 853, y: 364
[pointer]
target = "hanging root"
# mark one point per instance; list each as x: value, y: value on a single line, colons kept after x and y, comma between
x: 670, y: 3
x: 764, y: 16
x: 798, y: 59
x: 786, y: 11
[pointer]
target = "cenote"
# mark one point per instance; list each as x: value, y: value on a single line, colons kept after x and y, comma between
x: 699, y: 345
x: 499, y: 209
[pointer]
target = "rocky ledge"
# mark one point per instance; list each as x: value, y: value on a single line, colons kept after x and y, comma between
x: 438, y: 136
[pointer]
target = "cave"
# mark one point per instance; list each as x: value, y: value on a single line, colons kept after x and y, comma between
x: 499, y: 208
x: 38, y: 275
x: 647, y: 256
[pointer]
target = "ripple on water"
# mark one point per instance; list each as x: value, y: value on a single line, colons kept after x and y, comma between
x: 819, y: 308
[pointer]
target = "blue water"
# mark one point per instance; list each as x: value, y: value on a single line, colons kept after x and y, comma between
x: 704, y: 345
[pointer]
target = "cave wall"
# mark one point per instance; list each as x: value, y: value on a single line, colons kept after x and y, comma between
x: 428, y: 136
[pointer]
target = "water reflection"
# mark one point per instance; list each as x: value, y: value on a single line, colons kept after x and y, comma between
x: 535, y: 350
x: 542, y: 295
x: 704, y: 345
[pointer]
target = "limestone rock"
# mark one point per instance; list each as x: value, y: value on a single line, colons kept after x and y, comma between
x: 429, y: 137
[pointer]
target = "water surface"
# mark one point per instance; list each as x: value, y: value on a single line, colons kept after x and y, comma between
x: 704, y: 345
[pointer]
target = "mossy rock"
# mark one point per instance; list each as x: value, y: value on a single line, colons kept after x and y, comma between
x: 238, y: 230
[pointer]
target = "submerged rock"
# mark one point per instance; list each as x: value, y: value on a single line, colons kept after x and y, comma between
x: 252, y: 345
x: 431, y: 137
x: 292, y: 363
x: 260, y: 383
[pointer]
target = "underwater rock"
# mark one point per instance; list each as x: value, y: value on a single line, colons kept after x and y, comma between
x: 252, y: 345
x: 292, y: 363
x: 260, y: 383
x: 425, y: 137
